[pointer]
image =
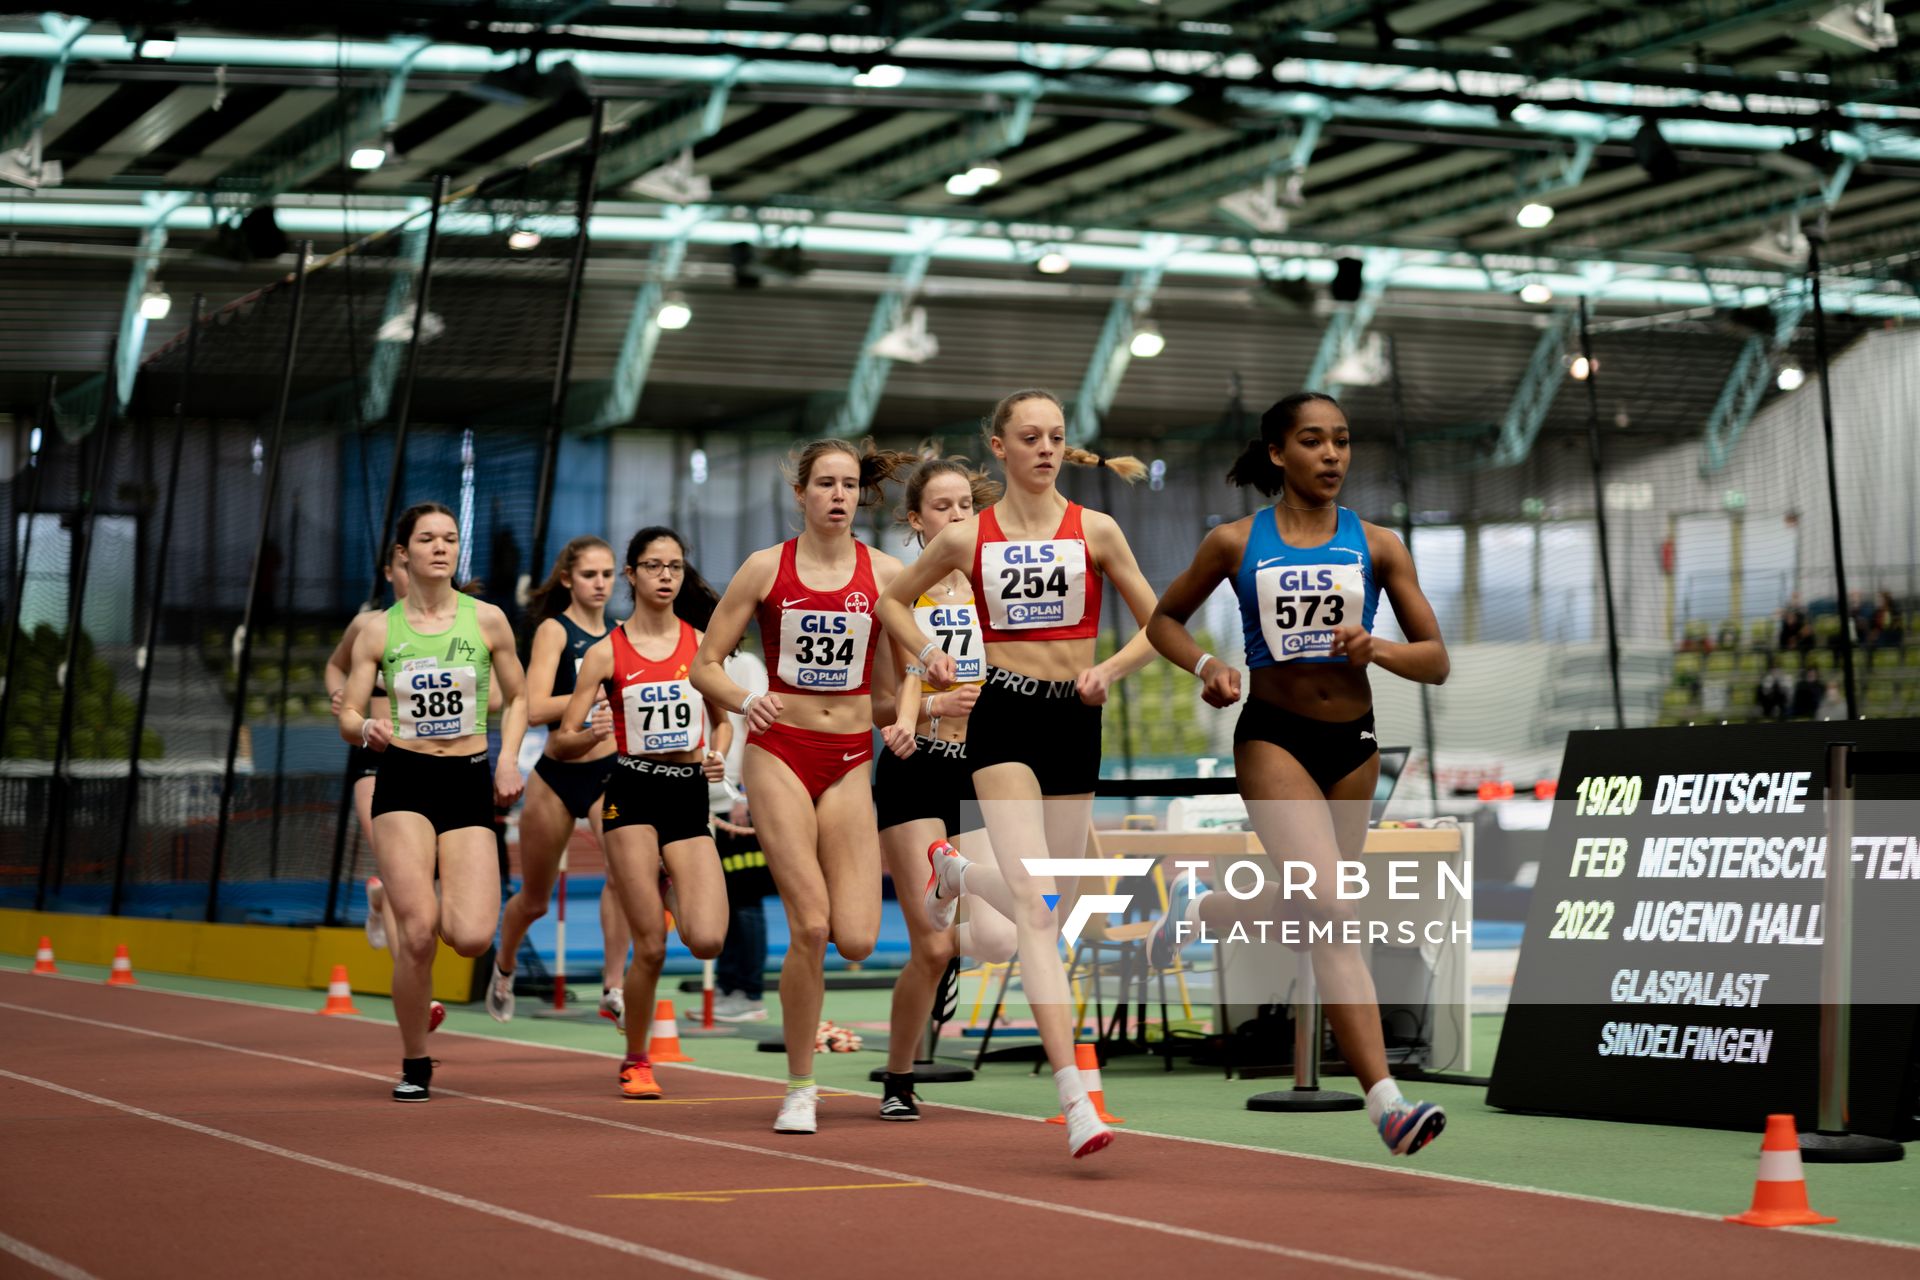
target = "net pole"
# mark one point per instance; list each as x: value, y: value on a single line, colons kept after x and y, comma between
x: 563, y: 367
x: 53, y: 850
x: 303, y: 257
x: 1815, y: 237
x: 286, y: 659
x: 403, y: 416
x: 1111, y: 606
x: 35, y: 471
x: 1600, y: 515
x: 130, y: 802
x: 1403, y: 465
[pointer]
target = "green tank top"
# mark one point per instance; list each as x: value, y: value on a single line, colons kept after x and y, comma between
x: 437, y: 684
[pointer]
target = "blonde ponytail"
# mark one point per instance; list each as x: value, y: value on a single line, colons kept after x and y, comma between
x: 1128, y: 468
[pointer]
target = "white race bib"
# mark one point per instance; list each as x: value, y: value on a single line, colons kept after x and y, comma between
x: 436, y: 702
x: 663, y: 716
x: 822, y: 651
x: 957, y: 629
x: 1300, y: 605
x: 1030, y: 585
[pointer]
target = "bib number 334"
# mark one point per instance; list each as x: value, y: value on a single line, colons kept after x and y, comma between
x: 437, y: 702
x: 823, y: 651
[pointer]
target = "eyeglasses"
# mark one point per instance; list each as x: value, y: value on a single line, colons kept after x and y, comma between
x: 653, y: 568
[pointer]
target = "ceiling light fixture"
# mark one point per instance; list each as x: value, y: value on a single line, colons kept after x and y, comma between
x: 523, y: 238
x: 882, y: 75
x: 155, y: 303
x: 1536, y: 293
x: 1534, y: 215
x: 1053, y: 263
x: 1147, y: 341
x: 674, y: 312
x: 1791, y: 377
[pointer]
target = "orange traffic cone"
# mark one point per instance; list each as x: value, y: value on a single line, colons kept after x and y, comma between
x: 122, y: 975
x: 339, y: 993
x: 43, y: 958
x: 1087, y: 1058
x: 663, y: 1042
x: 1780, y: 1192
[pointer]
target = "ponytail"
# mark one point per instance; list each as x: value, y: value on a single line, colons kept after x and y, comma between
x: 877, y: 466
x: 1255, y: 465
x: 1128, y: 468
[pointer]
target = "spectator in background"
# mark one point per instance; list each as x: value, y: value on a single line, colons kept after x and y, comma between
x: 1796, y: 634
x: 1729, y: 637
x: 1884, y: 628
x: 740, y: 973
x: 1808, y: 693
x: 1833, y: 703
x: 1773, y: 695
x: 1860, y: 613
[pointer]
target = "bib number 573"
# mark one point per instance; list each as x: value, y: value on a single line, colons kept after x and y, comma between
x: 1298, y: 611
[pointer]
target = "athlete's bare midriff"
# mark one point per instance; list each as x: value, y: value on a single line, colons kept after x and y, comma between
x: 1333, y: 691
x: 1043, y: 659
x: 827, y: 713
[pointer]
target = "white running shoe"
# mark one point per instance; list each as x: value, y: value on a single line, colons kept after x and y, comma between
x: 943, y: 885
x: 1085, y: 1133
x: 500, y: 996
x: 737, y: 1008
x: 376, y: 918
x: 613, y: 1007
x: 797, y: 1111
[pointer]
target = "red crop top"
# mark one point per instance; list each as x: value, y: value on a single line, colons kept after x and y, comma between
x: 819, y: 641
x: 656, y: 709
x: 1041, y: 590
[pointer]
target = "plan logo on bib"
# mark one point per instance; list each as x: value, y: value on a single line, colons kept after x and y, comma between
x: 1087, y: 904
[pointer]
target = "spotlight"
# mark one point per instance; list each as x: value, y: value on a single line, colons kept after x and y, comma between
x: 1536, y: 293
x: 157, y: 45
x: 1850, y: 27
x: 1147, y: 340
x: 367, y: 158
x: 674, y: 312
x: 984, y: 175
x: 155, y: 304
x: 1654, y: 154
x: 962, y: 185
x: 1053, y: 263
x: 1534, y: 215
x: 1581, y: 369
x: 1791, y: 377
x: 523, y: 238
x: 882, y: 75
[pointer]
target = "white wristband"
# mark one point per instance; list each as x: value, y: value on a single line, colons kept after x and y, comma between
x: 1201, y: 666
x: 366, y: 727
x: 926, y: 649
x: 746, y: 703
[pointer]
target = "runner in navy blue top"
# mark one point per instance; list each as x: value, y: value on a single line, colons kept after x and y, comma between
x: 563, y: 789
x: 1308, y: 573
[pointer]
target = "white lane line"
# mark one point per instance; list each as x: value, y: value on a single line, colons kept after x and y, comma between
x: 693, y: 1265
x: 1396, y: 1170
x: 45, y: 1261
x: 1003, y: 1197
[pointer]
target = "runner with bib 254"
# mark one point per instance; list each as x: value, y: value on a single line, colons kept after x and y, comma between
x: 1309, y: 573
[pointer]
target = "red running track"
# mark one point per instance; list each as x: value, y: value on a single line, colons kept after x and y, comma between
x: 154, y: 1134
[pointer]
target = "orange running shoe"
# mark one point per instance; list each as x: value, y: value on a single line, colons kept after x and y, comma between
x: 636, y: 1081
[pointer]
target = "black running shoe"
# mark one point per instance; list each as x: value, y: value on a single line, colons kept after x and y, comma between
x: 408, y: 1091
x: 899, y: 1106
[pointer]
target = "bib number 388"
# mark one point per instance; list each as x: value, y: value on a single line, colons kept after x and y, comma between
x: 436, y: 702
x: 1300, y: 605
x: 1030, y: 585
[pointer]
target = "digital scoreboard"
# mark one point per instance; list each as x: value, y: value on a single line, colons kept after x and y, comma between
x: 1670, y: 969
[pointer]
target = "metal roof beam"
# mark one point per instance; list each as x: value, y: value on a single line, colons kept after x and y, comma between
x: 1347, y: 327
x: 663, y: 131
x: 33, y: 98
x: 868, y: 381
x: 1647, y: 30
x: 1232, y: 166
x: 1727, y: 211
x: 383, y: 370
x: 1747, y: 381
x: 932, y: 158
x: 642, y: 337
x: 1539, y: 384
x: 1511, y: 186
x: 1113, y: 350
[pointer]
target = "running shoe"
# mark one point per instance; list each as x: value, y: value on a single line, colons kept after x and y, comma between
x: 899, y: 1106
x: 1085, y: 1132
x: 613, y: 1007
x: 376, y: 918
x: 797, y: 1111
x: 1160, y: 947
x: 1408, y: 1126
x: 407, y: 1091
x: 943, y: 884
x: 436, y: 1014
x: 500, y: 996
x: 636, y: 1081
x: 731, y: 1008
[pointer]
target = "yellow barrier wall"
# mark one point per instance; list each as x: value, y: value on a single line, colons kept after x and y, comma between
x: 275, y: 956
